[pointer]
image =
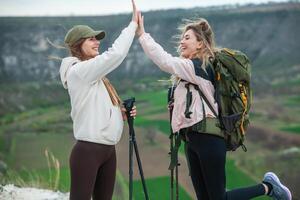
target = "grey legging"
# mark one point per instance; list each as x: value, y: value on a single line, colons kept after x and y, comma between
x: 93, y: 171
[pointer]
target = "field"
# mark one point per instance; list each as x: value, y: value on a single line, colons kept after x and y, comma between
x: 26, y: 136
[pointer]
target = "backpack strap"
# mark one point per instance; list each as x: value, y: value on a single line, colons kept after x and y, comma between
x: 205, y: 99
x: 207, y: 74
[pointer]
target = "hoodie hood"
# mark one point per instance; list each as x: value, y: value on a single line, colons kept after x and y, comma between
x: 64, y: 68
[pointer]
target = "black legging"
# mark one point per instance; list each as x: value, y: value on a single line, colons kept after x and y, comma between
x: 93, y: 171
x: 207, y: 156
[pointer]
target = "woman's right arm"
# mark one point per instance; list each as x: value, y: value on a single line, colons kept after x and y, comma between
x: 95, y: 68
x: 183, y: 68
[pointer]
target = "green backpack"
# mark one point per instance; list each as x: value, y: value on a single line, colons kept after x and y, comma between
x: 232, y: 72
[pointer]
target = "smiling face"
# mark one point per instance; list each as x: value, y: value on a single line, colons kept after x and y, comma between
x: 90, y: 47
x: 189, y: 45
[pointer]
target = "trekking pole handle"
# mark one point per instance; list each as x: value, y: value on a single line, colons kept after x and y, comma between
x: 128, y: 104
x: 171, y: 94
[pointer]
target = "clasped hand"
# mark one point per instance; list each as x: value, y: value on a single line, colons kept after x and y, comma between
x: 138, y: 18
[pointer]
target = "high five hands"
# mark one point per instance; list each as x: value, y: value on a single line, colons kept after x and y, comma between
x: 138, y: 18
x: 135, y: 12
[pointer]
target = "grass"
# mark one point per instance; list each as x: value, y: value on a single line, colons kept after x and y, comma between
x: 28, y: 149
x: 53, y: 163
x: 36, y: 129
x: 279, y: 115
x: 27, y: 114
x: 237, y: 179
x: 155, y: 98
x: 287, y: 83
x: 121, y: 187
x: 151, y: 102
x: 292, y: 102
x: 26, y: 96
x: 52, y: 119
x: 47, y: 178
x: 162, y: 125
x: 23, y: 178
x: 292, y: 129
x: 158, y: 188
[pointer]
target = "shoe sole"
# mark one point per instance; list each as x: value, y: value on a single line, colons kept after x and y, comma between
x: 276, y: 179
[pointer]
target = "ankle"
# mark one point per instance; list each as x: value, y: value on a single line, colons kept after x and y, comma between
x: 268, y: 187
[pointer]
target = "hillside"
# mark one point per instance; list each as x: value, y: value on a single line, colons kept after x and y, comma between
x: 35, y: 109
x: 266, y: 33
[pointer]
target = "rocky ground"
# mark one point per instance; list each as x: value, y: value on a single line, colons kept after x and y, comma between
x: 11, y: 192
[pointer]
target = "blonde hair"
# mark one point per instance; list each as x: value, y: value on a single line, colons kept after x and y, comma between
x: 204, y: 34
x: 76, y: 51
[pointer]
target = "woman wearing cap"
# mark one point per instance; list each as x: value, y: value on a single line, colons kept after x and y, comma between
x: 206, y: 151
x: 96, y: 108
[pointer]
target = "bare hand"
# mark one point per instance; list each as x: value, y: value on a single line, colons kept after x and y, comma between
x: 133, y: 112
x: 140, y: 30
x: 170, y: 106
x: 134, y: 12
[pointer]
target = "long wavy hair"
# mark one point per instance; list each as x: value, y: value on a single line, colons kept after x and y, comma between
x: 204, y: 34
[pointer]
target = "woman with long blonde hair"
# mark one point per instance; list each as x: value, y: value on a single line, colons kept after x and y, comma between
x: 206, y: 148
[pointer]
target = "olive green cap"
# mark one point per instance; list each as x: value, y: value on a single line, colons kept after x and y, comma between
x: 82, y: 31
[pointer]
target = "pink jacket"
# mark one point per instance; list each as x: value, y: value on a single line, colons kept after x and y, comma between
x: 184, y: 69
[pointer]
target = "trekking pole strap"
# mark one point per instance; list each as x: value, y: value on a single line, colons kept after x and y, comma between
x: 174, y: 152
x: 188, y: 103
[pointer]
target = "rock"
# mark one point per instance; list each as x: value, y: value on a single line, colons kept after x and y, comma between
x: 11, y: 192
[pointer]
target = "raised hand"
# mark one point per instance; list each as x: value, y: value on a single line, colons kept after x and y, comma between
x: 134, y: 12
x: 140, y: 30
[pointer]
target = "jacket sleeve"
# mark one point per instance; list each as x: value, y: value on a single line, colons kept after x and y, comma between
x: 181, y: 67
x: 95, y: 68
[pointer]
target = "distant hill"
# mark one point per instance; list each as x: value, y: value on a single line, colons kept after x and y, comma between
x: 267, y: 33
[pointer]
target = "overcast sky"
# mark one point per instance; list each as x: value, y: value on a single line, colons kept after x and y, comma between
x: 101, y: 7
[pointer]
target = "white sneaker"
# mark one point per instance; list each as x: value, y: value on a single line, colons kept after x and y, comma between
x: 279, y: 191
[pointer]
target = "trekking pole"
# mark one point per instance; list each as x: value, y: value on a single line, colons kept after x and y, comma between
x: 176, y: 170
x: 128, y: 104
x: 172, y: 138
x: 172, y: 170
x: 170, y: 107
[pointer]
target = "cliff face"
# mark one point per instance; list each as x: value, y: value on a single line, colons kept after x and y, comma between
x: 266, y: 33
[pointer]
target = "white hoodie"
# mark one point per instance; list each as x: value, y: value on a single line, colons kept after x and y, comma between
x: 95, y: 118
